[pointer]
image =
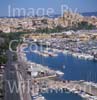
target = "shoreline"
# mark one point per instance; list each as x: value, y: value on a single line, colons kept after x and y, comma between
x: 76, y: 55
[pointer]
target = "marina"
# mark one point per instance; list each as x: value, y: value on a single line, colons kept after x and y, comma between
x: 64, y: 60
x: 81, y: 88
x: 76, y: 87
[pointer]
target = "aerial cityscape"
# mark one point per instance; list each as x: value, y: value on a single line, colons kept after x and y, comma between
x: 48, y: 50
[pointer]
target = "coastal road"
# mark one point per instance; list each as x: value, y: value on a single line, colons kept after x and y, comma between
x: 10, y: 79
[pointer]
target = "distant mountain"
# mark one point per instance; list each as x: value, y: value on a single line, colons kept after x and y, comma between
x: 89, y: 14
x: 84, y: 14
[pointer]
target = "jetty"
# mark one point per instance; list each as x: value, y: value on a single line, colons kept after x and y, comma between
x: 45, y: 53
x: 74, y: 86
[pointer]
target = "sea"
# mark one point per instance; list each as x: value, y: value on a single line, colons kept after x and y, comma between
x: 73, y: 68
x: 54, y: 15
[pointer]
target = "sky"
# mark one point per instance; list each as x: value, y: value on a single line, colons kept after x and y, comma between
x: 81, y: 5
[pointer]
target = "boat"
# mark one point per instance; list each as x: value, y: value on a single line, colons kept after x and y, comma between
x: 59, y: 73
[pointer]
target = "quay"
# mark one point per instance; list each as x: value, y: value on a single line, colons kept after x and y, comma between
x: 82, y: 88
x: 74, y: 86
x: 81, y: 46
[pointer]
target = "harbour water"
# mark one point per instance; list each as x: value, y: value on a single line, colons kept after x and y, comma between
x: 62, y: 96
x: 73, y: 68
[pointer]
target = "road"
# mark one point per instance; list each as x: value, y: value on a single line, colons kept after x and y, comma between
x: 10, y: 78
x: 45, y: 77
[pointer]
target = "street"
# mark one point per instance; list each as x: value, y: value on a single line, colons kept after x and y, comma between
x: 10, y: 77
